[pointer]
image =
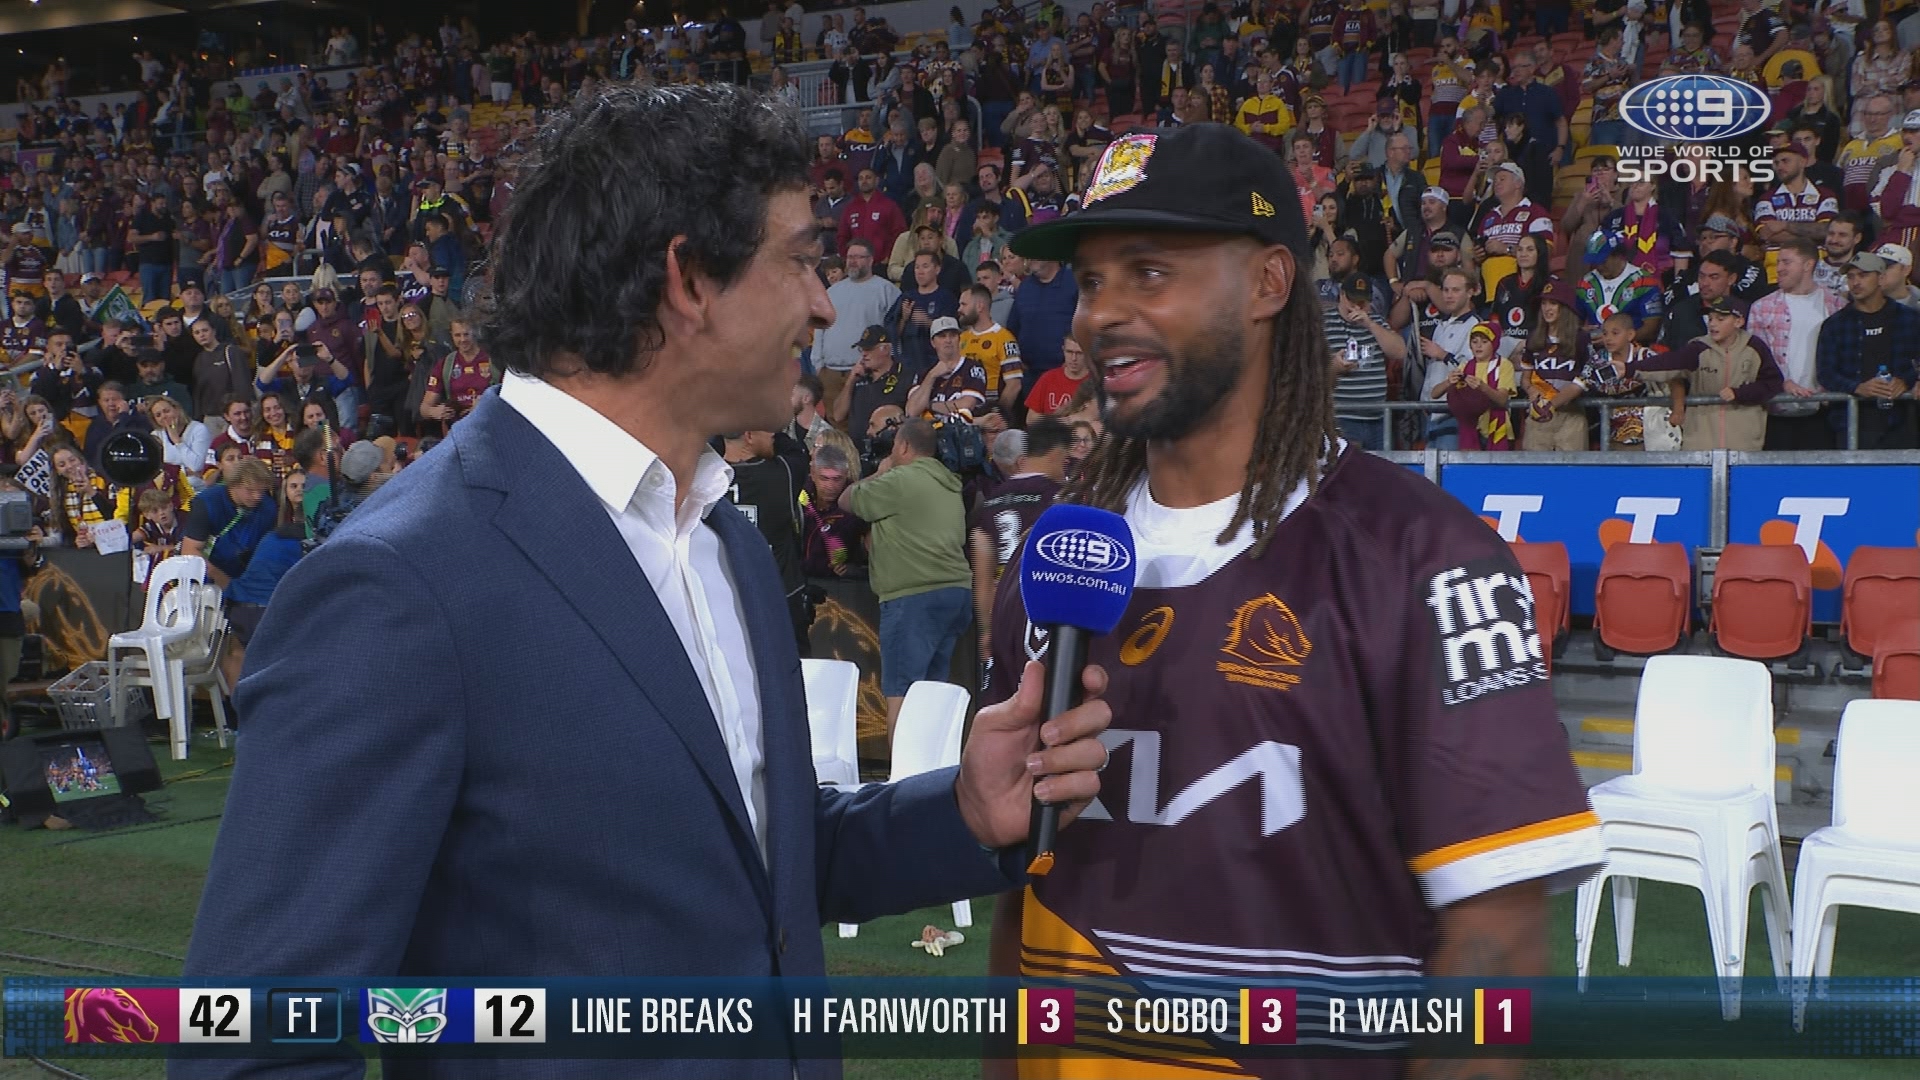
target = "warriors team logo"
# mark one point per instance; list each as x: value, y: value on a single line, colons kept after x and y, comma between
x: 1123, y: 165
x: 1263, y: 637
x: 104, y: 1014
x: 406, y: 1016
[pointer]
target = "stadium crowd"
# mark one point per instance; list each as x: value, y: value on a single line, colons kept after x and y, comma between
x: 305, y: 250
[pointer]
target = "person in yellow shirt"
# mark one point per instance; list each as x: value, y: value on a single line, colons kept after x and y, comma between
x: 991, y: 345
x: 1860, y: 160
x: 1265, y: 116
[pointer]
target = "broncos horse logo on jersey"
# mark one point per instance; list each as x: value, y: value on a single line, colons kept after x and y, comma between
x: 1263, y: 637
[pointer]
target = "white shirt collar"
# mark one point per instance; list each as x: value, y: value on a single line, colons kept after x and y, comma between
x: 618, y: 467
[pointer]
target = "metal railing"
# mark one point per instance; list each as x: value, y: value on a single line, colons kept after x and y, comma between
x: 1606, y: 405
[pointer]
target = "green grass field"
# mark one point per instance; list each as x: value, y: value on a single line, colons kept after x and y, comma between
x: 89, y: 904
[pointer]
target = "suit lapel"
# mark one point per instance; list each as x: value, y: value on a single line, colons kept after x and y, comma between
x: 551, y: 515
x: 786, y: 746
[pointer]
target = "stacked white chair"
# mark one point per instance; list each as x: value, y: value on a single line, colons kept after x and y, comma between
x: 1698, y: 810
x: 168, y: 623
x: 195, y: 663
x: 1870, y: 855
x: 926, y: 736
x: 833, y: 716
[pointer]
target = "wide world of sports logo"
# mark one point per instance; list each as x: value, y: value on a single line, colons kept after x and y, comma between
x: 1695, y: 126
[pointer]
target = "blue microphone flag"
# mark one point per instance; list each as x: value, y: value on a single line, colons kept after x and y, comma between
x: 1077, y: 568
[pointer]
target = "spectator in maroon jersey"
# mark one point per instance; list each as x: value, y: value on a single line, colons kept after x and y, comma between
x: 830, y: 542
x: 454, y: 389
x: 332, y: 325
x: 1460, y: 153
x: 1001, y: 521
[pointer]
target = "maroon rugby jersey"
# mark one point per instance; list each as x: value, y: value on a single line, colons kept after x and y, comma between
x: 1311, y: 752
x: 1010, y: 512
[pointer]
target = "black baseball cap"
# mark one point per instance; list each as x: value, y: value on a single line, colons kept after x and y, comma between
x: 875, y: 335
x: 1358, y: 288
x: 1195, y: 178
x: 1444, y: 238
x: 440, y: 271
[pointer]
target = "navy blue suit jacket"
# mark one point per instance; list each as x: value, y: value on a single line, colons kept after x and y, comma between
x: 474, y: 746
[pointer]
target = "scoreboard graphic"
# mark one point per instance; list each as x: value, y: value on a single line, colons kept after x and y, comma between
x: 964, y: 1018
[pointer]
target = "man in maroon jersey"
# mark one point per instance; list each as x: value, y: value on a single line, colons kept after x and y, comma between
x: 1334, y: 748
x: 999, y: 524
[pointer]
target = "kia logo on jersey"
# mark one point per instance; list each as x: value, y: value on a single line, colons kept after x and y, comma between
x: 1695, y: 108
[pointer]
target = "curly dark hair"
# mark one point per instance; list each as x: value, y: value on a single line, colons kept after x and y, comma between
x: 579, y: 269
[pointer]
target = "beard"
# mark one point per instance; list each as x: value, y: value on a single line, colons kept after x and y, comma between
x: 1197, y: 381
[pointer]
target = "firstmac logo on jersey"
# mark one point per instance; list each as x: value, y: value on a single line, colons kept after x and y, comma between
x: 1487, y: 642
x: 1700, y: 118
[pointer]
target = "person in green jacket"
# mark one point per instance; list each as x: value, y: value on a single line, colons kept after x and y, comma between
x: 919, y: 561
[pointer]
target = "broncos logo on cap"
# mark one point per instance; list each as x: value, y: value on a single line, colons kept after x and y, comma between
x: 1123, y: 165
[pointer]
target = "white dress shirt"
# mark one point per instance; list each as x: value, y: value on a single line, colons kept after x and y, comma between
x: 681, y: 556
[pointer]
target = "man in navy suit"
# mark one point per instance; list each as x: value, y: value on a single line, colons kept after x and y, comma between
x: 536, y: 709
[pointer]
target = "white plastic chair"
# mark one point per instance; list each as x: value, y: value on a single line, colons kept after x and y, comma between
x: 169, y: 621
x: 196, y: 664
x: 833, y: 702
x: 926, y: 736
x: 1698, y: 810
x: 1870, y: 855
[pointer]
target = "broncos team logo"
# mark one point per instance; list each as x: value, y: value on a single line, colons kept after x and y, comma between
x: 103, y: 1014
x: 1123, y: 165
x: 1263, y: 637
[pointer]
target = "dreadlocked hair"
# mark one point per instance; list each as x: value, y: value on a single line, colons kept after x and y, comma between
x: 1297, y: 428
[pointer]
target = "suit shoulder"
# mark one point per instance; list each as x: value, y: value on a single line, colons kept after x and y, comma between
x: 426, y: 507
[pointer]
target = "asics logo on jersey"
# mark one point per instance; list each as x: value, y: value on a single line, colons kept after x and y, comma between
x: 1083, y: 549
x: 1274, y: 766
x: 1487, y: 639
x: 1146, y: 638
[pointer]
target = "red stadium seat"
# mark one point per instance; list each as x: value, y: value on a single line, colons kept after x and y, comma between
x: 1882, y: 588
x: 1896, y: 663
x: 1762, y: 600
x: 1643, y: 601
x: 1550, y: 576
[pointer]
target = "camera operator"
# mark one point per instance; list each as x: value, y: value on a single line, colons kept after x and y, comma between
x: 882, y: 427
x: 15, y: 566
x: 876, y: 380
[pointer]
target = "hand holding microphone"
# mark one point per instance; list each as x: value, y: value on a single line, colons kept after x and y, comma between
x: 1076, y: 576
x: 1031, y: 762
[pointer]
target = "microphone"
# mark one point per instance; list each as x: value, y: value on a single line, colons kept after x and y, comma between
x: 1076, y: 576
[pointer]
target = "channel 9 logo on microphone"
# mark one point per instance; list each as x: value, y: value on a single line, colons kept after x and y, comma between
x: 1701, y: 121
